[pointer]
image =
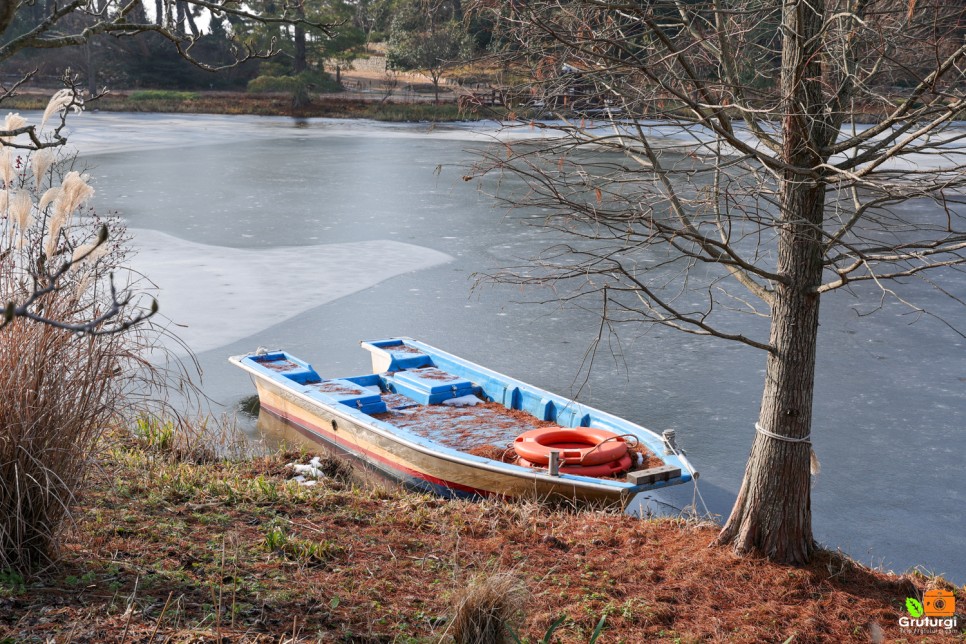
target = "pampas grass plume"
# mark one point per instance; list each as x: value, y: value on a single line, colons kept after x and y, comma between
x: 12, y: 122
x: 88, y: 254
x: 41, y: 162
x: 50, y: 246
x: 49, y: 196
x: 6, y: 167
x: 73, y: 192
x: 59, y: 102
x: 20, y: 206
x: 56, y: 222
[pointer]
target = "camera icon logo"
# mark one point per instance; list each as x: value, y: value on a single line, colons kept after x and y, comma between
x: 939, y: 603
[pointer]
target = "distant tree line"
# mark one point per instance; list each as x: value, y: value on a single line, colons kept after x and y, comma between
x: 422, y: 34
x: 431, y: 36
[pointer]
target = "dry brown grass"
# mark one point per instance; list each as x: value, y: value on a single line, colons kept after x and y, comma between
x: 350, y: 563
x: 489, y: 611
x: 59, y: 388
x: 58, y: 391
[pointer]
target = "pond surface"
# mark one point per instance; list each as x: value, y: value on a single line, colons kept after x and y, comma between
x: 313, y: 235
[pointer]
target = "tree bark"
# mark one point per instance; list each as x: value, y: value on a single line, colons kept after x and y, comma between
x: 91, y: 68
x: 186, y: 18
x: 772, y: 514
x: 300, y: 62
x: 8, y: 9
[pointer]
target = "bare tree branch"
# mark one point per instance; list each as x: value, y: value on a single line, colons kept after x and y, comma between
x: 119, y: 19
x: 714, y: 153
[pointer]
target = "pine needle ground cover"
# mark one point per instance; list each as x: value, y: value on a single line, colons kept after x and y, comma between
x: 167, y: 549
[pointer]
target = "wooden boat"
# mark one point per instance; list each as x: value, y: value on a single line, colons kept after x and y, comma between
x: 442, y: 424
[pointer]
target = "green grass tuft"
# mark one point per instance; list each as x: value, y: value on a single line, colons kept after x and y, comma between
x: 143, y: 95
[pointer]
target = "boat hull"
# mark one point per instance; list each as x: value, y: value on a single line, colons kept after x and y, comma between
x: 422, y: 469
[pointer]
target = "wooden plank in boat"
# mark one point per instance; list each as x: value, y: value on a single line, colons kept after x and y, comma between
x: 651, y: 475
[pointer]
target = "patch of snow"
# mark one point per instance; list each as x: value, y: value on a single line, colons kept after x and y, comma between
x: 468, y: 400
x: 308, y: 474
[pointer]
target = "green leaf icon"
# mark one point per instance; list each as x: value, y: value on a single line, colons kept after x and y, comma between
x: 914, y: 606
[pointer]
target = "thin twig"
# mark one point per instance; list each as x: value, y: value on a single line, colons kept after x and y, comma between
x: 160, y: 617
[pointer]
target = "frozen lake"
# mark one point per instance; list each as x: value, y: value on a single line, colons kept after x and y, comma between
x: 314, y: 235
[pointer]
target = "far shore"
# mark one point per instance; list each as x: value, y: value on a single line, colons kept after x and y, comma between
x: 409, y: 98
x: 417, y: 103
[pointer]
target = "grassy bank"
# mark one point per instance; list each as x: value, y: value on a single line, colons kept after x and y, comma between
x: 170, y: 549
x: 267, y: 104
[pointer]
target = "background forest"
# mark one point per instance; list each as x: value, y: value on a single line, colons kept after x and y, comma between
x: 420, y: 34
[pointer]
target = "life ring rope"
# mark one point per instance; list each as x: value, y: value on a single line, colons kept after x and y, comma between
x: 636, y: 443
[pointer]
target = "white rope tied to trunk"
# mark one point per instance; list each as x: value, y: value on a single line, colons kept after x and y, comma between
x: 805, y: 439
x: 815, y: 466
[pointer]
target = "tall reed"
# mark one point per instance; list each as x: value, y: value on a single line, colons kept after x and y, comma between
x: 59, y: 389
x: 58, y: 392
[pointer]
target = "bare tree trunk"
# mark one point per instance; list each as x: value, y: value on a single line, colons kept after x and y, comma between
x: 185, y: 18
x: 300, y: 63
x: 773, y: 512
x: 91, y: 68
x: 8, y: 9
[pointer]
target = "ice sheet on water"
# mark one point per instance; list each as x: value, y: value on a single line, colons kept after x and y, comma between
x: 212, y: 296
x: 103, y: 132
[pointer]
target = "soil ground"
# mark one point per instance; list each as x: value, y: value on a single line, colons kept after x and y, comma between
x: 169, y: 550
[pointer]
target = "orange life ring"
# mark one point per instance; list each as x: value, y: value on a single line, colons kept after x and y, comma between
x: 613, y: 468
x: 580, y: 446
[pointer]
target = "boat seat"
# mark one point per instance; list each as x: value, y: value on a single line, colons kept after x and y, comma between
x: 429, y: 385
x: 287, y: 366
x: 350, y: 394
x: 396, y: 355
x: 409, y: 361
